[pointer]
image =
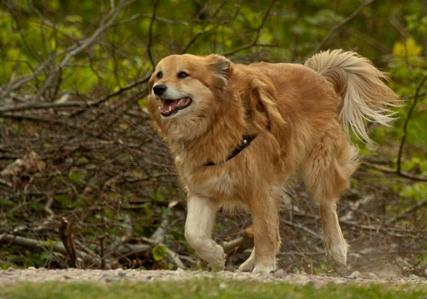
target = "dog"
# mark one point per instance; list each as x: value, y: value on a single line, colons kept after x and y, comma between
x: 239, y: 132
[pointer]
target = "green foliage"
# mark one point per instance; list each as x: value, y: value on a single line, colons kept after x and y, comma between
x: 159, y: 253
x: 77, y: 176
x: 417, y: 191
x: 206, y: 289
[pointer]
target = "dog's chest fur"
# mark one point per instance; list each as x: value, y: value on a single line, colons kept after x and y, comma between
x: 208, y: 181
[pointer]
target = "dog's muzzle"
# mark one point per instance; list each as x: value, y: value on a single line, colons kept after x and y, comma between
x: 170, y: 107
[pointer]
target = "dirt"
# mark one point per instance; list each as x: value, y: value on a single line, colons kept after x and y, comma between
x: 32, y: 274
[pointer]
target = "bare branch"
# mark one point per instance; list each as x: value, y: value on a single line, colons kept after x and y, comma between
x: 417, y: 206
x: 257, y: 32
x: 303, y: 228
x: 41, y: 105
x: 40, y: 244
x: 341, y: 24
x: 405, y: 125
x: 75, y: 49
x: 150, y: 34
x: 393, y: 171
x: 204, y: 30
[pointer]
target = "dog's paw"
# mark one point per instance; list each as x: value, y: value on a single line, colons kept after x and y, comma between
x: 247, y: 266
x: 217, y: 260
x: 338, y: 252
x: 265, y: 267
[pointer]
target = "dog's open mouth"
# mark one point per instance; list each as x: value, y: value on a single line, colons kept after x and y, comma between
x: 170, y: 107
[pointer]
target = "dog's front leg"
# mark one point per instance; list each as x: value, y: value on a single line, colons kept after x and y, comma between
x: 201, y: 214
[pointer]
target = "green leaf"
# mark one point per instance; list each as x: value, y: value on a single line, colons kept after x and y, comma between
x: 159, y: 253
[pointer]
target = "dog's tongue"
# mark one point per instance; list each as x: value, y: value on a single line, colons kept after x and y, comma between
x: 168, y: 106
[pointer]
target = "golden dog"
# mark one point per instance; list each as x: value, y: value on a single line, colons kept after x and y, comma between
x: 239, y: 132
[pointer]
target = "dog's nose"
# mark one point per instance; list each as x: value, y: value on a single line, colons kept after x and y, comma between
x: 159, y: 89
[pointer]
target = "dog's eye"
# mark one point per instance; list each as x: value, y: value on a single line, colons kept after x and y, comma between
x: 159, y: 75
x: 182, y: 75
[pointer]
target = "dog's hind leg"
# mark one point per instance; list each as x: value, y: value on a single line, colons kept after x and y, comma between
x: 335, y: 244
x: 265, y: 219
x: 201, y: 214
x: 326, y: 174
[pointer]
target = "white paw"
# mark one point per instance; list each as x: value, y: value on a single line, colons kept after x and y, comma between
x: 265, y: 268
x: 247, y: 266
x: 217, y: 260
x: 338, y: 252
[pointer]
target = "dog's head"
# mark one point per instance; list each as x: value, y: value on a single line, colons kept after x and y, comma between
x: 186, y: 86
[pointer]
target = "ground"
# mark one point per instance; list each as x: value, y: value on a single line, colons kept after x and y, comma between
x: 134, y: 275
x: 76, y: 283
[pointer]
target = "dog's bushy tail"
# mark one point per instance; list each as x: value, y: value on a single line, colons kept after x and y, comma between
x: 362, y: 87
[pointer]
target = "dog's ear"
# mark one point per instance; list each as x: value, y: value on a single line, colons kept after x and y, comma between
x: 220, y: 67
x: 263, y: 97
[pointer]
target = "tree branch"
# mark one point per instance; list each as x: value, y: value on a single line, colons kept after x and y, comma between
x: 405, y: 125
x: 150, y: 34
x: 338, y: 26
x: 257, y: 32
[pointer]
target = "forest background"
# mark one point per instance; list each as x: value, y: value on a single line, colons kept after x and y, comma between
x: 85, y: 182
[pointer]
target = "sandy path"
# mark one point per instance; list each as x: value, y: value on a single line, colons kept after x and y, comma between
x: 105, y: 276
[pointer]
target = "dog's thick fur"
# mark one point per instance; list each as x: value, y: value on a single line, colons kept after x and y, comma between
x: 299, y: 115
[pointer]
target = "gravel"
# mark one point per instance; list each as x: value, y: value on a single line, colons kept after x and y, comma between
x: 32, y: 274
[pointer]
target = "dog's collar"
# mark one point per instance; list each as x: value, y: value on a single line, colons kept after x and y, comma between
x: 244, y: 143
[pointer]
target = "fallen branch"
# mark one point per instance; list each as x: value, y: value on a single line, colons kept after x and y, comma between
x: 409, y: 211
x: 229, y: 246
x: 358, y: 226
x: 41, y: 244
x: 303, y: 228
x: 41, y: 105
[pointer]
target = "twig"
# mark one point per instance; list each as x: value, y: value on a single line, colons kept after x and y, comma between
x: 398, y: 171
x: 49, y: 211
x: 159, y: 234
x: 69, y: 53
x: 404, y: 214
x: 114, y: 94
x: 303, y: 228
x: 257, y: 32
x: 393, y: 171
x: 204, y: 31
x: 174, y: 257
x: 32, y: 243
x: 41, y: 105
x: 150, y: 34
x: 391, y: 231
x: 101, y: 253
x: 405, y: 125
x: 231, y: 245
x: 338, y: 26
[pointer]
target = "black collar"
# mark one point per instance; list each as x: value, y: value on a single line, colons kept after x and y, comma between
x: 244, y: 143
